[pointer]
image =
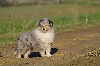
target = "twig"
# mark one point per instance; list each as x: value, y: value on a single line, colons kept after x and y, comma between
x: 12, y: 13
x: 37, y: 9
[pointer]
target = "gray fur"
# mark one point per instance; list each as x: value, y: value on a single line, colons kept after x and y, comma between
x: 30, y: 41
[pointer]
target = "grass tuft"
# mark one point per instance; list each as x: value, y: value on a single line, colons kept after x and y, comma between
x: 66, y: 17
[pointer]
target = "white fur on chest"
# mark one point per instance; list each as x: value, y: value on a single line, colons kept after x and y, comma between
x: 45, y: 37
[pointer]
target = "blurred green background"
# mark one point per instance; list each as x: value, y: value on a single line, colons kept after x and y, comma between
x: 17, y: 16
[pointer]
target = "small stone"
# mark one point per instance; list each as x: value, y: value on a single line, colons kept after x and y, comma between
x: 63, y: 58
x: 36, y: 57
x: 1, y: 56
x: 62, y: 49
x: 70, y: 53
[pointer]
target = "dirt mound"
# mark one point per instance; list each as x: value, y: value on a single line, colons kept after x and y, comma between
x: 67, y: 45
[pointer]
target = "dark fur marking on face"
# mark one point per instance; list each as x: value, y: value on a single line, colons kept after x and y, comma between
x: 50, y: 23
x: 39, y: 24
x: 41, y: 20
x: 18, y: 38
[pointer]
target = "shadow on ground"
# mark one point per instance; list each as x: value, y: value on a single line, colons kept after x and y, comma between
x: 37, y: 54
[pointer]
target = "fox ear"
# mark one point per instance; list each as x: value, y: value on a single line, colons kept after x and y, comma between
x: 50, y: 23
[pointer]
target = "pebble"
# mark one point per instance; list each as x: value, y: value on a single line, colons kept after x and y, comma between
x: 1, y: 56
x: 34, y: 64
x: 27, y: 63
x: 70, y: 53
x: 37, y: 57
x: 65, y: 51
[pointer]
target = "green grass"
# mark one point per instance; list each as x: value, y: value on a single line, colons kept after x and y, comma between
x: 66, y: 17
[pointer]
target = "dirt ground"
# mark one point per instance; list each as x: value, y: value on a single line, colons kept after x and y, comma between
x: 66, y: 46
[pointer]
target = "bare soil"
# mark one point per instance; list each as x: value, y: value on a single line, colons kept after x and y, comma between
x: 67, y: 45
